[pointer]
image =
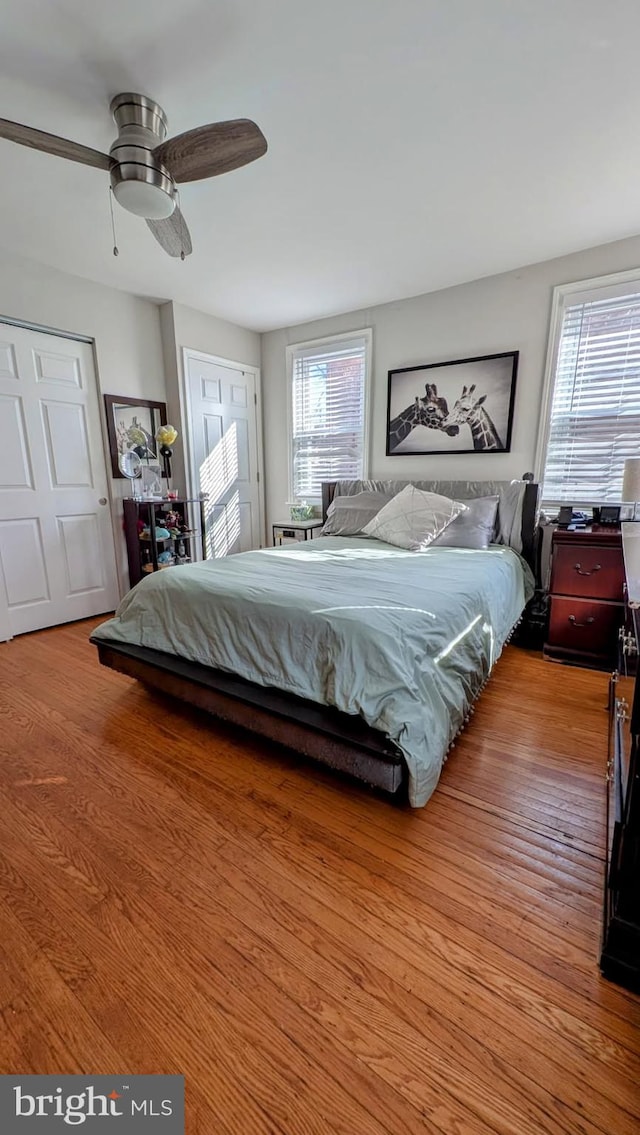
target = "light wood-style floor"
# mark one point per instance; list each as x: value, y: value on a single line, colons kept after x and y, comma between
x: 176, y: 897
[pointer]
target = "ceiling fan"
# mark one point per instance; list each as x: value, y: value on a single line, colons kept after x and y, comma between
x: 145, y: 166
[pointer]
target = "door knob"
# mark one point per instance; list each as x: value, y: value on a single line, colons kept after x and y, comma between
x: 102, y: 500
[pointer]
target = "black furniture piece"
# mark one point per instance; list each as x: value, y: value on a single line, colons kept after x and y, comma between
x: 143, y: 552
x: 340, y: 740
x: 586, y: 596
x: 295, y: 530
x: 620, y: 955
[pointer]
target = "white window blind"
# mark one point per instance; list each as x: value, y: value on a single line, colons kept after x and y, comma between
x: 595, y: 412
x: 328, y: 399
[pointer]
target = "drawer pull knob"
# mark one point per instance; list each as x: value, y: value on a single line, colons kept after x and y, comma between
x: 594, y: 569
x: 587, y: 622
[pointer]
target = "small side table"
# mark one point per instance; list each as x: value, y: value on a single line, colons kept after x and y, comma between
x: 294, y: 531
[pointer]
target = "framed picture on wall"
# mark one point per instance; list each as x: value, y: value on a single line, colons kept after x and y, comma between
x: 462, y: 406
x: 132, y: 424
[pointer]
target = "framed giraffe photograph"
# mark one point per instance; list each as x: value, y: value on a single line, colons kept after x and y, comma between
x: 461, y: 406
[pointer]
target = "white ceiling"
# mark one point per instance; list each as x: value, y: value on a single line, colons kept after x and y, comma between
x: 413, y: 144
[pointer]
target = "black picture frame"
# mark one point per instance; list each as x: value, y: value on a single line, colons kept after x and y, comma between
x: 458, y: 402
x: 147, y: 415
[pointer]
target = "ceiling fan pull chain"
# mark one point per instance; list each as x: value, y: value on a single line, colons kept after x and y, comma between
x: 113, y: 223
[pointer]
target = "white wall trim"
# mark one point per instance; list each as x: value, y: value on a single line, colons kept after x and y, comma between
x: 365, y: 333
x: 593, y: 283
x: 594, y: 288
x: 185, y: 419
x: 116, y: 517
x: 555, y: 326
x: 28, y: 326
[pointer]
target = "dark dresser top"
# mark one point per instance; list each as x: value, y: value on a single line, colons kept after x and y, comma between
x: 604, y: 533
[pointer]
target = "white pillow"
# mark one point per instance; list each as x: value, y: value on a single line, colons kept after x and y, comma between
x: 413, y: 518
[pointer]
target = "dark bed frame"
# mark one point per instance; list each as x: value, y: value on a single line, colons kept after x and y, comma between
x: 337, y: 739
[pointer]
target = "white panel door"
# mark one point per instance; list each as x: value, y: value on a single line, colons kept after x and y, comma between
x: 223, y: 442
x: 56, y: 540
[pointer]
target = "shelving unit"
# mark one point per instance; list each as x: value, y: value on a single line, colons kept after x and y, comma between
x: 143, y: 550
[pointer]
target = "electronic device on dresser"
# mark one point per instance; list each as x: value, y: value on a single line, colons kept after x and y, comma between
x: 585, y: 596
x: 607, y: 515
x: 620, y: 954
x: 569, y: 516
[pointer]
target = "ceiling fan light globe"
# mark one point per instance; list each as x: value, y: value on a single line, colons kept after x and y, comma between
x: 144, y: 199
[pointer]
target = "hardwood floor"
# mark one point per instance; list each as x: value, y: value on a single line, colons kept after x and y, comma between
x: 177, y: 897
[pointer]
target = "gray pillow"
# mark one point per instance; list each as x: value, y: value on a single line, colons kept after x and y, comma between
x: 347, y: 516
x: 473, y: 528
x: 510, y: 496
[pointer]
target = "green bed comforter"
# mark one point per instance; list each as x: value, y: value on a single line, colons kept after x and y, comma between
x: 404, y: 639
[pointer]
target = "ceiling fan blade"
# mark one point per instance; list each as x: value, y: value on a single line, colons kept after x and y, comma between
x: 172, y: 234
x: 52, y: 144
x: 210, y: 150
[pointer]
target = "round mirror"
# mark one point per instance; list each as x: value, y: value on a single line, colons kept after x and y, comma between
x: 130, y: 464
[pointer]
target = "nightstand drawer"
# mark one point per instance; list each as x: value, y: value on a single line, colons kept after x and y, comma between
x: 295, y: 531
x: 286, y: 535
x: 590, y: 571
x: 584, y: 625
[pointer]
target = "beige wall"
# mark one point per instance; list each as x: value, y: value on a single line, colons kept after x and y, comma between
x: 138, y: 343
x: 126, y: 331
x: 499, y: 313
x: 213, y: 336
x: 138, y: 346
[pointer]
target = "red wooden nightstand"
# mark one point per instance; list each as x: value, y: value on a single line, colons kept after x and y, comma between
x: 586, y: 596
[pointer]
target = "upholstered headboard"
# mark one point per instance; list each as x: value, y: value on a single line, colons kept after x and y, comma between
x: 463, y: 490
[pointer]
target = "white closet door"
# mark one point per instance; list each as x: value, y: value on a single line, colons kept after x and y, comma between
x: 223, y: 441
x: 56, y: 541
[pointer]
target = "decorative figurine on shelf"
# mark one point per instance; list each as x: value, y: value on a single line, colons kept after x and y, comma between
x: 166, y: 436
x: 181, y: 553
x: 165, y: 559
x: 172, y: 521
x: 161, y: 533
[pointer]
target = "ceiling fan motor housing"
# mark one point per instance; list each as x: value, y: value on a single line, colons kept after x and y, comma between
x: 140, y: 182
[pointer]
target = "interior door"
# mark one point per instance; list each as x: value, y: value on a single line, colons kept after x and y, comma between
x: 56, y: 541
x: 223, y: 441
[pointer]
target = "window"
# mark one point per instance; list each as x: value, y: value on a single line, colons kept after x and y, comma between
x: 329, y: 380
x: 593, y: 421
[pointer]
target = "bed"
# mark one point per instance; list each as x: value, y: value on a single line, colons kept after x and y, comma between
x: 348, y: 650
